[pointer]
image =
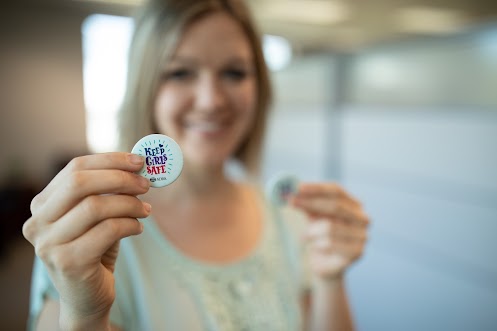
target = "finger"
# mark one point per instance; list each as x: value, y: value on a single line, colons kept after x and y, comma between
x: 325, y: 190
x: 94, y: 209
x: 327, y: 246
x: 336, y: 231
x: 99, y: 239
x: 90, y: 182
x: 325, y: 207
x: 121, y: 161
x: 318, y: 228
x: 30, y: 230
x: 323, y: 243
x: 329, y: 265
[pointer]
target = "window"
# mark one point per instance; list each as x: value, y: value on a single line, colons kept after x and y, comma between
x: 105, y: 47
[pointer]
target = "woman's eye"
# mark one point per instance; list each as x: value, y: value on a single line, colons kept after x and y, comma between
x: 235, y: 74
x: 179, y: 74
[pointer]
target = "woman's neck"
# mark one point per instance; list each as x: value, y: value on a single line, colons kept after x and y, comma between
x: 196, y: 184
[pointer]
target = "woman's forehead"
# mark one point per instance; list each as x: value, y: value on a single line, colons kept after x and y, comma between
x: 214, y: 36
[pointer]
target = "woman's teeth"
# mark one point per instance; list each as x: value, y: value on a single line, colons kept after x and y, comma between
x: 206, y: 126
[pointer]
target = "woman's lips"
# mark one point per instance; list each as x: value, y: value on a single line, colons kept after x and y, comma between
x: 209, y: 128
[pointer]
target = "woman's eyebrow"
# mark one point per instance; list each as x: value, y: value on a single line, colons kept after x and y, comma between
x: 242, y: 61
x: 181, y: 59
x: 238, y: 60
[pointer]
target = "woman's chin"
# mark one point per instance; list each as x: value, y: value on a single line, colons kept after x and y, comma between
x: 208, y: 162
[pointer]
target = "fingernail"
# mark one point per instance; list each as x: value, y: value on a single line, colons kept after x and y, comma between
x: 144, y: 182
x: 147, y: 206
x: 135, y: 159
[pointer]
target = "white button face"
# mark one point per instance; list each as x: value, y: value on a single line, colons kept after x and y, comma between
x: 281, y: 187
x: 163, y: 159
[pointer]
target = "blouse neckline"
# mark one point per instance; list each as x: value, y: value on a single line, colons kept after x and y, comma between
x: 207, y: 266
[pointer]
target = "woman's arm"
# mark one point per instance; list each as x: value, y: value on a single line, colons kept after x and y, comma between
x: 49, y: 317
x: 336, y: 235
x: 329, y: 308
x: 76, y: 224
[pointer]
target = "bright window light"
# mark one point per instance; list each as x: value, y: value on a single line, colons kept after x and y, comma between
x: 105, y: 46
x: 106, y: 41
x: 277, y: 52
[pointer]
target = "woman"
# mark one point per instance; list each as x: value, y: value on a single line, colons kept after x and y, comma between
x: 210, y: 254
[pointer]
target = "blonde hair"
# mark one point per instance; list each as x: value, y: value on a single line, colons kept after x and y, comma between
x: 158, y: 28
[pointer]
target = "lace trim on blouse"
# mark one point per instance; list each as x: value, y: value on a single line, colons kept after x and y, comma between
x: 255, y: 293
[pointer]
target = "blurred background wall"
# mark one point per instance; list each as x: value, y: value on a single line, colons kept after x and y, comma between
x: 424, y: 166
x: 406, y: 121
x: 41, y: 97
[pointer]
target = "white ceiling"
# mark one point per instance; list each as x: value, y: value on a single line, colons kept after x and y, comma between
x: 352, y: 24
x: 348, y: 25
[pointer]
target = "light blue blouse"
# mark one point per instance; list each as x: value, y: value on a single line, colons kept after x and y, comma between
x: 159, y: 288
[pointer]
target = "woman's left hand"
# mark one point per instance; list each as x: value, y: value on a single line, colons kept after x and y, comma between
x: 337, y: 231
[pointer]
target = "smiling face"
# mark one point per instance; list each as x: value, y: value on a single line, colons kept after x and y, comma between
x: 207, y: 97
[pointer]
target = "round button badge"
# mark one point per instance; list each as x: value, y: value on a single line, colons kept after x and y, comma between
x: 163, y: 159
x: 281, y: 187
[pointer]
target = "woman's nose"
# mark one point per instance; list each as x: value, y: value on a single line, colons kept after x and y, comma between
x: 210, y: 95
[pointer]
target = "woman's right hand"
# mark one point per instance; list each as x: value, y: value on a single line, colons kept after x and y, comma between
x: 76, y: 224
